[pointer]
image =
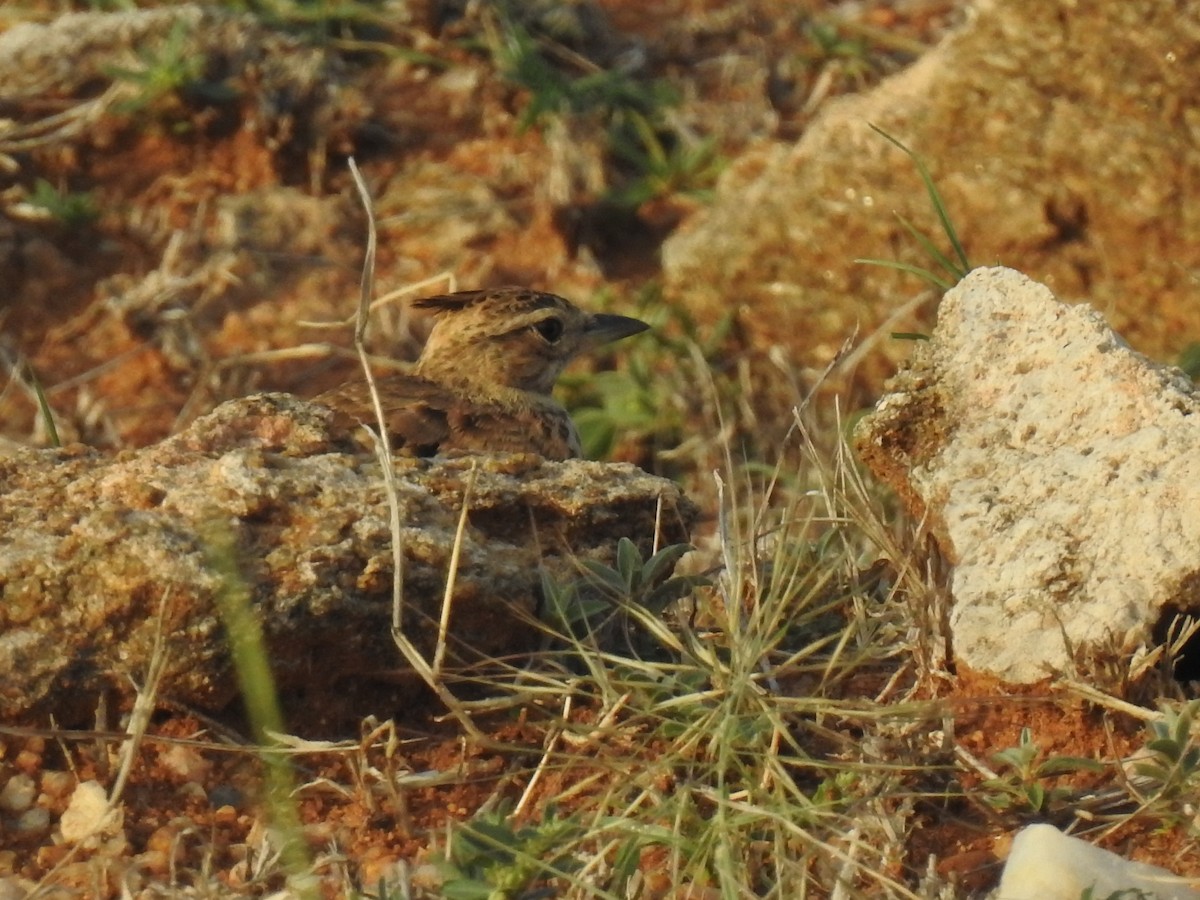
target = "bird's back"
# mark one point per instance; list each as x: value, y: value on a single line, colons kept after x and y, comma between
x: 424, y: 418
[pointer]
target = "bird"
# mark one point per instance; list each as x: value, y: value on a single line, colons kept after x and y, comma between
x: 483, y: 381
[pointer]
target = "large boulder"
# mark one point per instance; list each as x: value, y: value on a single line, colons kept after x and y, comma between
x: 1058, y: 470
x: 98, y: 547
x: 1063, y: 137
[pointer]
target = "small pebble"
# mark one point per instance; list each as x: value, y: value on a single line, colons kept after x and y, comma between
x: 377, y: 867
x: 318, y: 834
x: 28, y: 761
x: 32, y: 822
x: 193, y: 790
x: 155, y: 862
x: 162, y: 839
x: 18, y: 793
x: 57, y: 784
x: 186, y: 762
x: 226, y: 795
x: 87, y: 814
x: 427, y: 877
x: 50, y: 855
x: 225, y: 815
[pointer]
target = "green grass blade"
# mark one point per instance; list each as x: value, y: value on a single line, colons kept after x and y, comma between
x: 910, y: 269
x: 44, y: 408
x: 935, y: 198
x: 931, y: 248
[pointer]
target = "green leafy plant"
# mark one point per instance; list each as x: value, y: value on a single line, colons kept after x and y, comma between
x: 171, y: 72
x: 650, y: 156
x: 1172, y: 760
x: 662, y: 161
x: 956, y: 267
x: 830, y: 47
x: 625, y: 407
x: 490, y: 858
x: 646, y: 582
x: 1021, y: 786
x: 635, y: 589
x: 73, y: 209
x: 553, y: 91
x: 643, y: 400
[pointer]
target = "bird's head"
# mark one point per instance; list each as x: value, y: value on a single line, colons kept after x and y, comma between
x: 511, y: 337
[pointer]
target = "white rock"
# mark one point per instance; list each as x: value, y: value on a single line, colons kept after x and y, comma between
x: 1046, y: 864
x: 87, y: 816
x: 1058, y: 470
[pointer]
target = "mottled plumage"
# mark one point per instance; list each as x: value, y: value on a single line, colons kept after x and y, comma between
x: 484, y: 378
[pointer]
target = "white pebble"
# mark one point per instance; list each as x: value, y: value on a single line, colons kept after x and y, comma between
x: 88, y: 814
x: 1046, y: 864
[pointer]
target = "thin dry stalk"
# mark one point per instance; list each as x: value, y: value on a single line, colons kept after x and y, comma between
x: 143, y: 706
x: 439, y: 652
x: 139, y: 721
x: 416, y: 287
x: 552, y: 739
x: 382, y: 440
x: 60, y: 127
x: 383, y: 449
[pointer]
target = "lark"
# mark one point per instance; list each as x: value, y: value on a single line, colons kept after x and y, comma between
x: 484, y: 378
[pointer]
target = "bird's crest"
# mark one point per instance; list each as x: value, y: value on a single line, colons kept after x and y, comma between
x: 516, y: 297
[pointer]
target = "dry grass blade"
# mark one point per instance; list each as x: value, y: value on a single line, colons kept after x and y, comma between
x: 139, y: 720
x: 439, y: 655
x: 144, y: 705
x: 416, y: 287
x: 382, y: 439
x: 427, y: 672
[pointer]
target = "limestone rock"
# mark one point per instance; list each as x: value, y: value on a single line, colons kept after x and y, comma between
x: 1046, y: 864
x: 95, y: 546
x: 1058, y: 470
x: 1056, y: 140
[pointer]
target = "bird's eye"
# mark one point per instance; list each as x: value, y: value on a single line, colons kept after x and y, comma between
x: 551, y: 329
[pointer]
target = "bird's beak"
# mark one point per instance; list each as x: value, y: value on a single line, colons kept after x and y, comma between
x: 604, y: 328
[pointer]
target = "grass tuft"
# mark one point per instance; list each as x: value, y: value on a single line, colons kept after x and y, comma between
x: 721, y: 720
x: 956, y: 267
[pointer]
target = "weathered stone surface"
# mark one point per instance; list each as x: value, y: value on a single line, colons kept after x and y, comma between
x: 95, y: 546
x: 1063, y: 138
x: 1058, y: 470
